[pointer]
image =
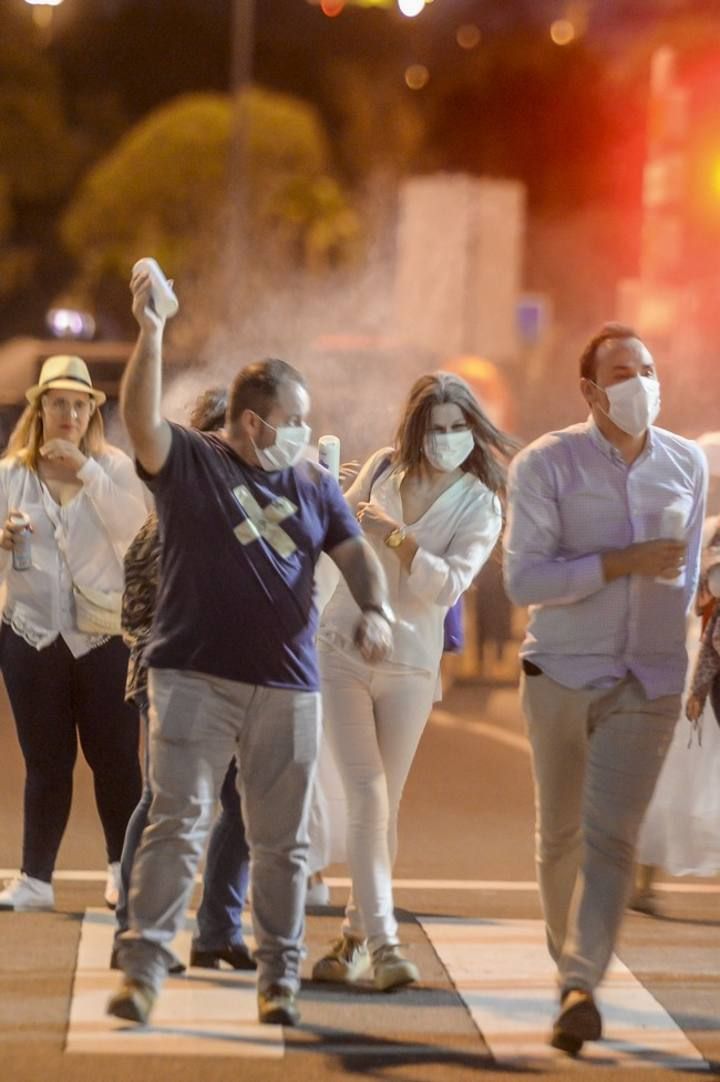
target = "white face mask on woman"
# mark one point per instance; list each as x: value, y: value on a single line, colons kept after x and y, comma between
x: 290, y: 442
x: 448, y: 450
x: 634, y: 404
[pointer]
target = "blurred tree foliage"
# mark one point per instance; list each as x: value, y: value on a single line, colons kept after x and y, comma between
x: 164, y: 187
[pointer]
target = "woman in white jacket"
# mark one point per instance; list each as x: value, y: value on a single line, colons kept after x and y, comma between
x: 64, y: 662
x: 430, y: 506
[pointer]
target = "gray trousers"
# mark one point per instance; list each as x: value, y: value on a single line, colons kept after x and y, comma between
x: 597, y: 754
x: 197, y: 723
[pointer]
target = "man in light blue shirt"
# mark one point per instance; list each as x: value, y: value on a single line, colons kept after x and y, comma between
x: 603, y: 544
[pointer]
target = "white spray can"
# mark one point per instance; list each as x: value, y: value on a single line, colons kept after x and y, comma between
x: 672, y: 528
x: 164, y: 300
x: 329, y: 454
x: 22, y: 544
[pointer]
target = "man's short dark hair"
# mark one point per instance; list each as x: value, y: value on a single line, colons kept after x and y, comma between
x: 256, y: 387
x: 609, y: 332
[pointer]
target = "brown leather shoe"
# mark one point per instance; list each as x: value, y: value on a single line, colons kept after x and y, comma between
x: 579, y: 1021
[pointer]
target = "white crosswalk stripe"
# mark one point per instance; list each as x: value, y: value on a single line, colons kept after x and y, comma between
x: 503, y: 973
x: 196, y: 1015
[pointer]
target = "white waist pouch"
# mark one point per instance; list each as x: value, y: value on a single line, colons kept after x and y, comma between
x: 97, y: 612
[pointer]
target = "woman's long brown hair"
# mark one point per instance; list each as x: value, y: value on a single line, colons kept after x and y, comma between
x: 491, y: 445
x: 27, y: 438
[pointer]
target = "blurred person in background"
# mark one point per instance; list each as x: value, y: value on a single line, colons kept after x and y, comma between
x: 227, y: 865
x: 430, y: 507
x: 588, y: 548
x: 61, y: 652
x: 681, y: 829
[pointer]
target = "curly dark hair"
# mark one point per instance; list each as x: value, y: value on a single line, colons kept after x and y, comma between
x: 209, y: 409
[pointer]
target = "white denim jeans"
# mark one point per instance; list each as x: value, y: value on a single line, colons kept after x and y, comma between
x: 373, y: 719
x: 597, y: 754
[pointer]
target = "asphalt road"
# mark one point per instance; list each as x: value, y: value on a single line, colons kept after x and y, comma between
x: 464, y: 874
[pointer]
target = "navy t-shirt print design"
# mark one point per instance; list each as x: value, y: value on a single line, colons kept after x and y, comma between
x: 239, y: 547
x: 264, y: 522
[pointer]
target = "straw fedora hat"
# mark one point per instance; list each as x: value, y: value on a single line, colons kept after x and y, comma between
x: 64, y: 373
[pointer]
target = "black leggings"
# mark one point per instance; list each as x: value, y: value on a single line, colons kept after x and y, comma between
x: 55, y: 697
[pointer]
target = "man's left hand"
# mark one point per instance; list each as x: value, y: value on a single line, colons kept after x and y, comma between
x: 373, y: 637
x: 64, y: 453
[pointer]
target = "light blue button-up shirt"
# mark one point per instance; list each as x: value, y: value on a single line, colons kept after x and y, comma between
x: 573, y: 497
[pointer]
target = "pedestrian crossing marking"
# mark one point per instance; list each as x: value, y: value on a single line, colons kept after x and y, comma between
x: 503, y: 973
x: 204, y: 1013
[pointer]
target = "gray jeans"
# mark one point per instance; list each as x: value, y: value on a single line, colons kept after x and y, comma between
x: 197, y: 723
x: 597, y: 754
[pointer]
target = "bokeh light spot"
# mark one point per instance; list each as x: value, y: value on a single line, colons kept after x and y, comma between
x: 417, y: 76
x: 562, y: 32
x: 468, y: 36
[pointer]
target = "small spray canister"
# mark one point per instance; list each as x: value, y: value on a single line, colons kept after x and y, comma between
x: 22, y: 544
x: 329, y: 454
x: 672, y: 526
x: 164, y: 300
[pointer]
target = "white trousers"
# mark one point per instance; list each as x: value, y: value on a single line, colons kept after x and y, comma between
x: 373, y: 719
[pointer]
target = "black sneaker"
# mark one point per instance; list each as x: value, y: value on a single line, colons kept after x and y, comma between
x: 277, y: 1007
x: 235, y: 955
x: 579, y: 1021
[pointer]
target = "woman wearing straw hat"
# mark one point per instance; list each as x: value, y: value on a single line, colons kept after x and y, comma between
x: 70, y: 504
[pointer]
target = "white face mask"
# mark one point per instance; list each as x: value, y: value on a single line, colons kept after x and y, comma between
x: 290, y: 442
x: 634, y: 404
x: 448, y: 450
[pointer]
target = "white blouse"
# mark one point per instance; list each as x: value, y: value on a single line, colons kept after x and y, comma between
x: 83, y: 541
x: 455, y: 537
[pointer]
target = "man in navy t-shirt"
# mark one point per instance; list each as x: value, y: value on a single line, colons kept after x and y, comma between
x: 232, y: 656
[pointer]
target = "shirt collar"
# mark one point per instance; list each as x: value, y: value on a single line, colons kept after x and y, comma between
x: 609, y: 450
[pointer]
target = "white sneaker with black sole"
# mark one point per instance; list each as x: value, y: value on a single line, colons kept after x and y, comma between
x: 26, y: 893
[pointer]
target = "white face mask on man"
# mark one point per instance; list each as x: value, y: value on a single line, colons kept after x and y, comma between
x: 290, y: 442
x: 447, y: 450
x: 633, y: 404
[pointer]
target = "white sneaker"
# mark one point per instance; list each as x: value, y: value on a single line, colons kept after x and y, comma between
x: 318, y: 892
x: 25, y: 892
x: 112, y: 885
x: 391, y: 968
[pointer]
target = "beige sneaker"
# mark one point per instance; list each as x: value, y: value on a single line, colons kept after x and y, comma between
x: 391, y: 968
x: 344, y: 963
x: 133, y: 1002
x: 277, y: 1006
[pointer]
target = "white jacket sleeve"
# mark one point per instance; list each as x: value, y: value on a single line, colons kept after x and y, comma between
x: 117, y: 494
x: 443, y: 579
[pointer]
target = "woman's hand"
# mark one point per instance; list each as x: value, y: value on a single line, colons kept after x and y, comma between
x: 12, y: 528
x: 374, y: 521
x: 64, y: 453
x: 348, y: 472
